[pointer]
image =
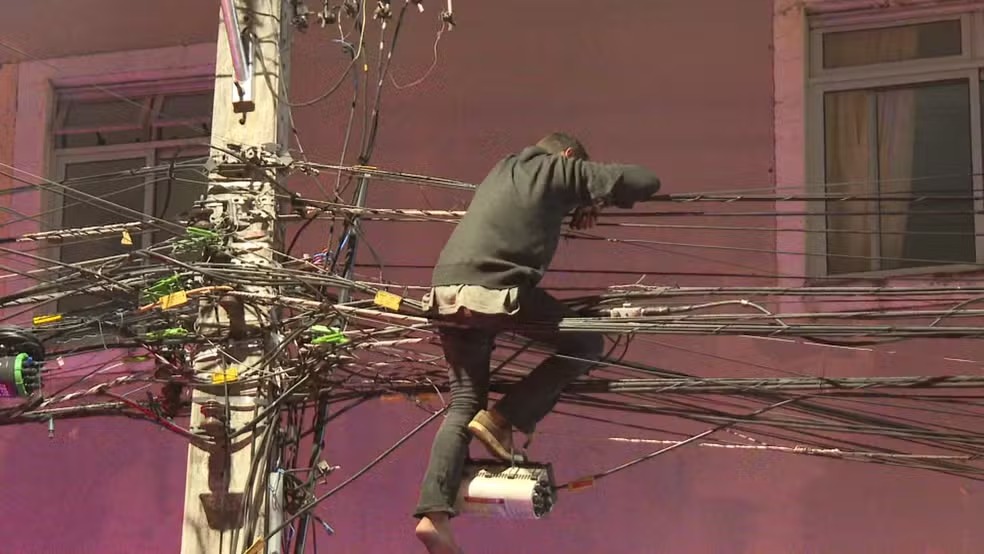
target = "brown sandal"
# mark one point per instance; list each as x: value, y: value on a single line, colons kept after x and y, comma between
x: 496, y: 439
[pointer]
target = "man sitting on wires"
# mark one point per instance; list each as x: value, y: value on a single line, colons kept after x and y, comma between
x: 486, y: 279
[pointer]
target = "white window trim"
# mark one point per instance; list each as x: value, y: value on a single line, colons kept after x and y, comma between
x: 148, y: 151
x: 54, y: 203
x: 62, y: 157
x: 38, y: 80
x: 819, y: 75
x: 63, y: 160
x: 797, y: 100
x: 33, y: 149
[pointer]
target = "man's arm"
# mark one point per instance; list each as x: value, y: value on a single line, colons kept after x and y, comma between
x: 594, y: 184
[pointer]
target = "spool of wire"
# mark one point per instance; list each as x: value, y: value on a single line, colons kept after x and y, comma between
x: 495, y: 489
x: 20, y: 375
x: 21, y: 358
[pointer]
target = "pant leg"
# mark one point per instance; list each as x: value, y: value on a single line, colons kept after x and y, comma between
x: 532, y: 398
x: 467, y: 352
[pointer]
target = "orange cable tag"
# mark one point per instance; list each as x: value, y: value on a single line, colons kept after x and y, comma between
x: 581, y: 484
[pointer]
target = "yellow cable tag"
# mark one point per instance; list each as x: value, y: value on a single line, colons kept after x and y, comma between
x: 127, y: 240
x: 42, y: 319
x: 174, y: 300
x: 230, y: 375
x: 388, y: 300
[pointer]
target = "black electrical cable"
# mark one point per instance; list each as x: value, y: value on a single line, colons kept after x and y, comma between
x: 169, y: 184
x: 694, y: 438
x: 98, y: 202
x: 382, y: 456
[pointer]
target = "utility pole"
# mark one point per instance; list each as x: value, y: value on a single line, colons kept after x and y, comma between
x: 228, y: 498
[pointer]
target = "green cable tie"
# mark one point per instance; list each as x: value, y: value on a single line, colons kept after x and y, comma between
x: 323, y: 334
x: 196, y: 237
x: 19, y: 373
x: 200, y: 233
x: 170, y: 333
x: 161, y: 288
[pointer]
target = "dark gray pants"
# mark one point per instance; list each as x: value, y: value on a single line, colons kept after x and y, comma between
x: 467, y: 352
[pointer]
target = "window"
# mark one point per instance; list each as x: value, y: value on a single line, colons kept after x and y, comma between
x: 108, y: 131
x: 895, y: 120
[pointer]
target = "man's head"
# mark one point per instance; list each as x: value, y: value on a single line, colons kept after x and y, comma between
x: 564, y: 145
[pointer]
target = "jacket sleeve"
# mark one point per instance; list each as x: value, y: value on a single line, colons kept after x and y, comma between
x: 620, y: 185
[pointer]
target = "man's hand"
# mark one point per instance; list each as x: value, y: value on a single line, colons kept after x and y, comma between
x: 584, y: 217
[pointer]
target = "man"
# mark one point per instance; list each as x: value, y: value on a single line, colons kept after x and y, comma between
x: 486, y: 278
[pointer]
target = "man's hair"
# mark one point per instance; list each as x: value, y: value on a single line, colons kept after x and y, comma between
x: 556, y: 143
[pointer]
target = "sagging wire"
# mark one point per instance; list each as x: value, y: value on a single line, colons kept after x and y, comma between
x: 600, y: 475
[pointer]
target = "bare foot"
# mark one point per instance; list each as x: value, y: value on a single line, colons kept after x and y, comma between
x: 434, y: 530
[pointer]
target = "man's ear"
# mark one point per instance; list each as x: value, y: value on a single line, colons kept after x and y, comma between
x: 568, y: 153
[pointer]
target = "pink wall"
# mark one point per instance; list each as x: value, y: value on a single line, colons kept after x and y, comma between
x: 8, y: 112
x: 684, y: 86
x: 56, y: 28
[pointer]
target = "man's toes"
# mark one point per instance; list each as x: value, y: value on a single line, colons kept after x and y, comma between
x: 435, y: 539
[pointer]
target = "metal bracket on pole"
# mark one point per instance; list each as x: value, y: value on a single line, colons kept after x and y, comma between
x: 242, y: 91
x: 241, y: 49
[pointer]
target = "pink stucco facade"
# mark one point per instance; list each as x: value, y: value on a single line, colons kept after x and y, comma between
x: 709, y: 93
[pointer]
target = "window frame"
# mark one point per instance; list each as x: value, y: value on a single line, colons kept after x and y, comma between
x: 969, y: 65
x: 149, y: 151
x: 151, y: 154
x: 61, y: 157
x: 34, y: 153
x: 61, y: 161
x: 152, y: 96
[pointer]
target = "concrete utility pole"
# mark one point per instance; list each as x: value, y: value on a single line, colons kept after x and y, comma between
x: 252, y: 55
